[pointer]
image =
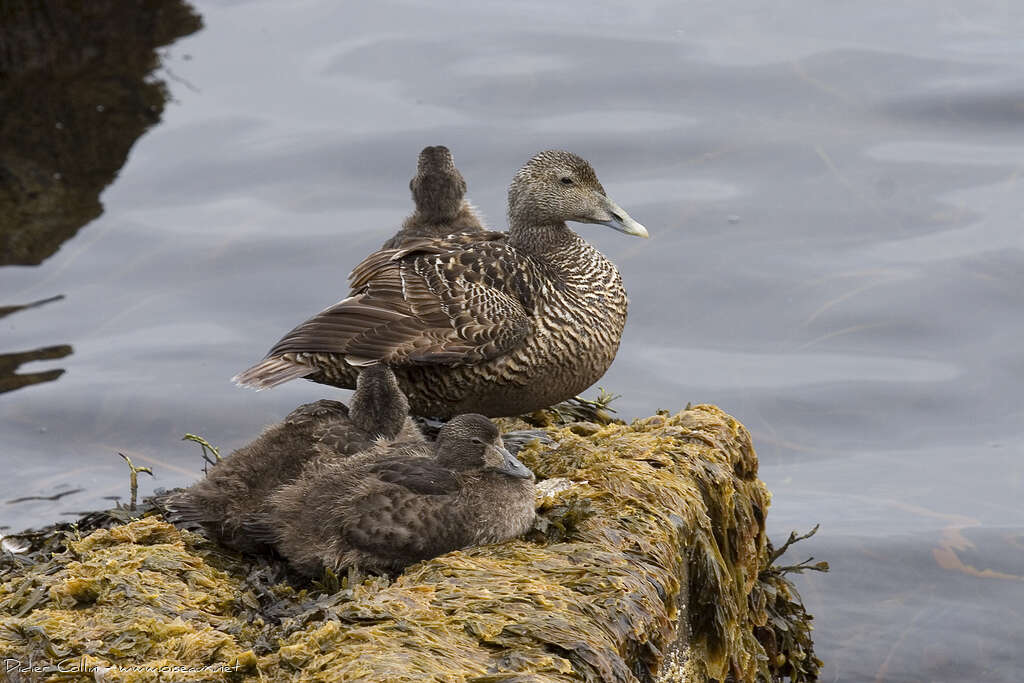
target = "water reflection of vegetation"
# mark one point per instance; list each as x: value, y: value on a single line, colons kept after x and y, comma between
x: 74, y: 97
x: 10, y: 362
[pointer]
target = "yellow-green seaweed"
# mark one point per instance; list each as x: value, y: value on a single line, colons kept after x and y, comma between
x: 651, y: 565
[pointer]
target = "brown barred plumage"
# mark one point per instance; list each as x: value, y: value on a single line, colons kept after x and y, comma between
x: 493, y: 323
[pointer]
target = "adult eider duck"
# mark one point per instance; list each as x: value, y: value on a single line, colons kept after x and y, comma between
x: 494, y: 323
x: 439, y: 192
x: 238, y: 486
x: 378, y: 512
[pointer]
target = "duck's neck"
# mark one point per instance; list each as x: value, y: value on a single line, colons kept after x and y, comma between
x: 552, y: 243
x: 566, y: 257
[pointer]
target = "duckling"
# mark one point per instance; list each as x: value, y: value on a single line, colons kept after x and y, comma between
x: 494, y: 323
x: 237, y: 487
x: 438, y: 190
x: 383, y: 511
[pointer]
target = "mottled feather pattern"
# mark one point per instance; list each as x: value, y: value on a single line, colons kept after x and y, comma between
x: 397, y: 527
x: 562, y: 343
x: 343, y: 439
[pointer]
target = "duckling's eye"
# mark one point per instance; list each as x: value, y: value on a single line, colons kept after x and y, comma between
x: 566, y: 180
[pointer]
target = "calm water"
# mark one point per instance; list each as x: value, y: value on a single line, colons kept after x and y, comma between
x: 835, y: 204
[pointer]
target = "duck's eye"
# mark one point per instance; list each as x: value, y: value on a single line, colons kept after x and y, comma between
x: 478, y: 440
x: 566, y: 180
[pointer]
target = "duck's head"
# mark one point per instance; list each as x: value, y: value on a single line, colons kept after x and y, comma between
x: 437, y: 188
x: 471, y: 441
x: 556, y: 186
x: 378, y: 403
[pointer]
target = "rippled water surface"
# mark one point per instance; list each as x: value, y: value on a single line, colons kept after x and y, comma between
x: 835, y: 203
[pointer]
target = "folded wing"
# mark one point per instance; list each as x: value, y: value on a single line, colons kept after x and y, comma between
x: 452, y: 301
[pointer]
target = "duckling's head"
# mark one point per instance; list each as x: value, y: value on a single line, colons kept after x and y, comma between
x: 378, y: 404
x: 437, y: 188
x: 471, y: 441
x: 556, y: 186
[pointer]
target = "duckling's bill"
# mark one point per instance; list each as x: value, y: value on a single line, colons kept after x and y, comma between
x: 510, y: 464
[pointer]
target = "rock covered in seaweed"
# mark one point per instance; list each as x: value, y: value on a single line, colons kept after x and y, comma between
x: 654, y: 553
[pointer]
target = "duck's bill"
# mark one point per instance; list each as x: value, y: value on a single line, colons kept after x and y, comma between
x: 619, y: 220
x: 511, y: 465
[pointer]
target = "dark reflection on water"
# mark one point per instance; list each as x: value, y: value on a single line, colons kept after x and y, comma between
x: 73, y: 99
x: 835, y: 206
x: 10, y: 362
x: 10, y: 379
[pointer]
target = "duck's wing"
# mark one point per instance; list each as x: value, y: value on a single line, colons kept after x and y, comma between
x: 420, y: 244
x: 408, y: 514
x: 435, y: 301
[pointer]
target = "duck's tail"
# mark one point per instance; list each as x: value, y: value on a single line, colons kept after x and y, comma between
x: 270, y: 372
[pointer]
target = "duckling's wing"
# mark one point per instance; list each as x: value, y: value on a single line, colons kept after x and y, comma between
x: 437, y: 302
x: 416, y: 475
x: 316, y: 412
x: 258, y: 528
x: 329, y: 429
x: 407, y: 515
x: 341, y: 437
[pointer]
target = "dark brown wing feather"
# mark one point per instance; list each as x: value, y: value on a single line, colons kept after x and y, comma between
x: 452, y: 300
